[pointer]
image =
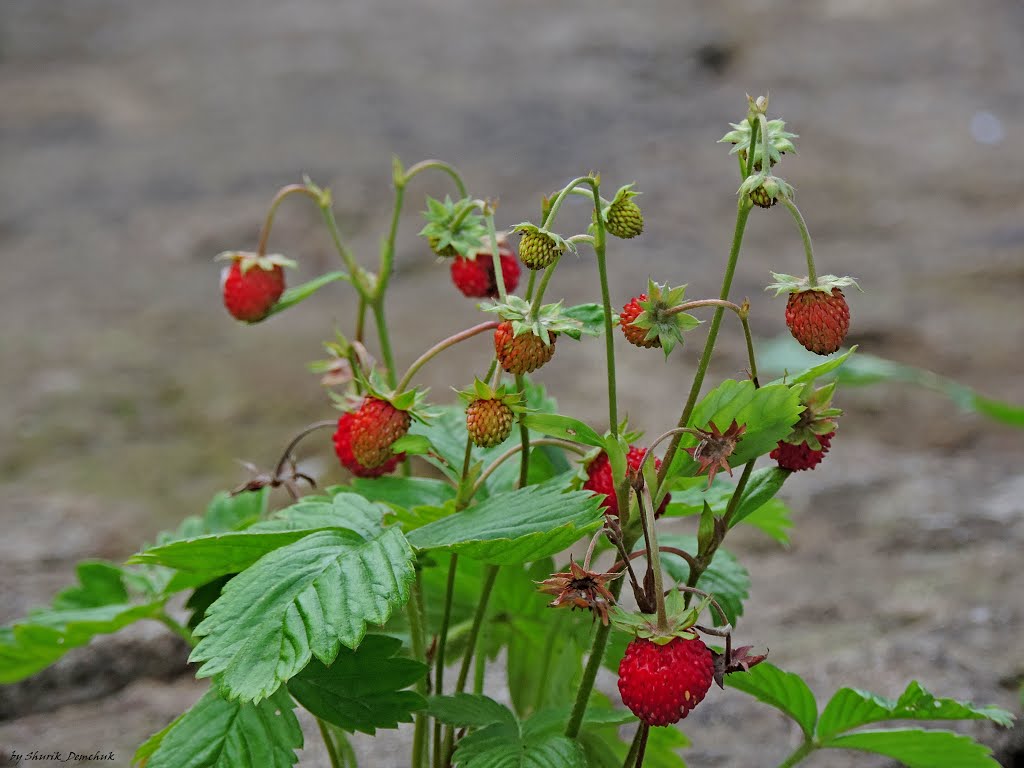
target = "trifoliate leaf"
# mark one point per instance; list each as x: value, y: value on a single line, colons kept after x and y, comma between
x: 785, y: 691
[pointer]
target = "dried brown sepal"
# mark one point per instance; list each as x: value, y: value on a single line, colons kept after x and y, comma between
x: 740, y: 660
x: 715, y: 448
x: 580, y: 588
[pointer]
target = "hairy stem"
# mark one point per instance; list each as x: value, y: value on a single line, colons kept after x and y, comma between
x: 439, y: 165
x: 268, y: 222
x: 419, y: 739
x: 600, y: 243
x: 499, y: 276
x: 385, y: 341
x: 441, y: 346
x: 805, y: 236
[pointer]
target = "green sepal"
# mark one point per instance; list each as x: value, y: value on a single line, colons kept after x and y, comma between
x: 667, y: 328
x: 550, y: 318
x: 247, y: 260
x: 774, y: 186
x: 792, y: 284
x: 447, y: 238
x: 560, y: 242
x: 780, y: 141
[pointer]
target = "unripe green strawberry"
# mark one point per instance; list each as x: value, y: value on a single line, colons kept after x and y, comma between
x: 524, y: 353
x: 538, y: 250
x: 761, y: 198
x: 374, y: 427
x: 625, y: 218
x: 488, y: 422
x: 818, y: 320
x: 447, y: 252
x: 661, y: 683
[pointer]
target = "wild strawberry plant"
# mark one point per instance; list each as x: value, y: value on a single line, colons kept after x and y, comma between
x: 388, y: 599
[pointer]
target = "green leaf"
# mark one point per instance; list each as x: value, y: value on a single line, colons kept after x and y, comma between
x: 224, y: 513
x: 781, y: 353
x: 414, y: 445
x: 785, y: 691
x: 403, y: 492
x: 605, y: 749
x: 851, y: 708
x: 774, y: 519
x: 689, y: 494
x: 101, y: 604
x: 300, y: 293
x: 509, y: 745
x: 562, y: 427
x: 362, y: 689
x: 919, y: 748
x: 217, y: 733
x: 768, y: 413
x: 761, y: 488
x: 469, y: 710
x: 590, y: 315
x: 816, y: 371
x: 303, y: 600
x: 725, y: 579
x: 515, y: 527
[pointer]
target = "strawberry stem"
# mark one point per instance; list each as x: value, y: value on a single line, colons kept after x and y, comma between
x: 499, y: 275
x: 805, y: 235
x: 439, y: 165
x: 441, y: 346
x: 268, y: 222
x: 600, y: 241
x: 641, y: 748
x: 755, y: 126
x: 653, y: 558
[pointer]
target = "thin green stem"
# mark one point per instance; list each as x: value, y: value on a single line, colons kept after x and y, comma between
x: 179, y: 629
x: 755, y: 126
x: 634, y: 747
x: 798, y: 754
x: 332, y: 750
x: 524, y: 439
x: 641, y: 751
x: 474, y: 632
x: 597, y: 649
x: 535, y: 306
x: 416, y: 639
x: 653, y: 558
x: 742, y: 214
x: 565, y: 444
x: 340, y: 247
x: 600, y: 246
x: 499, y: 276
x: 268, y: 222
x: 441, y: 346
x: 805, y: 236
x: 361, y: 319
x: 750, y: 351
x: 442, y: 641
x: 560, y: 197
x: 480, y: 664
x: 705, y: 303
x: 385, y: 341
x: 440, y: 165
x: 741, y: 312
x: 530, y: 283
x: 387, y: 253
x: 737, y: 494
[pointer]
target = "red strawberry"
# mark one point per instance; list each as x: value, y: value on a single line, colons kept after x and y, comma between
x: 475, y: 277
x: 524, y: 353
x: 635, y: 334
x: 374, y: 427
x: 599, y: 479
x: 818, y: 320
x: 343, y: 449
x: 802, y: 456
x: 661, y: 683
x: 251, y: 290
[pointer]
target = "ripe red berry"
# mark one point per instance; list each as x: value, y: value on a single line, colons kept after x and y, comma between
x: 343, y: 449
x: 374, y: 427
x: 661, y: 683
x: 635, y: 334
x: 524, y: 353
x: 802, y: 456
x: 476, y: 279
x: 818, y: 320
x: 599, y: 479
x: 250, y: 295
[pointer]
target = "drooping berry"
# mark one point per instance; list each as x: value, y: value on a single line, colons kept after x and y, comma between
x: 538, y: 250
x: 802, y: 456
x: 488, y: 422
x: 374, y: 427
x: 625, y: 219
x: 661, y: 684
x: 524, y: 353
x: 475, y: 276
x: 343, y: 449
x: 600, y: 480
x: 252, y: 284
x: 818, y: 320
x: 634, y: 333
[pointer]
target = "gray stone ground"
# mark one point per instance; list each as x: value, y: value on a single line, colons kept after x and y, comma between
x: 137, y: 140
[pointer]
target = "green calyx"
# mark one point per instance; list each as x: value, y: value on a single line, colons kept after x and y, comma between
x: 792, y: 284
x: 622, y: 217
x: 248, y: 260
x: 765, y: 190
x: 817, y: 418
x: 453, y: 228
x: 780, y: 141
x: 645, y: 625
x: 667, y: 327
x: 373, y: 385
x: 483, y: 391
x: 540, y: 248
x: 548, y: 319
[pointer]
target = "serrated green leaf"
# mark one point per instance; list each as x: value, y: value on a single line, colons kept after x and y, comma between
x: 562, y: 427
x: 590, y: 315
x: 300, y: 293
x: 217, y: 733
x: 469, y: 710
x: 506, y: 745
x: 773, y: 519
x: 725, y: 579
x: 851, y: 708
x: 515, y: 527
x: 224, y: 513
x: 303, y: 600
x: 689, y: 494
x: 919, y: 748
x: 781, y: 354
x: 100, y: 583
x: 768, y: 413
x: 785, y: 691
x: 816, y: 371
x: 361, y: 690
x: 761, y: 488
x: 405, y: 492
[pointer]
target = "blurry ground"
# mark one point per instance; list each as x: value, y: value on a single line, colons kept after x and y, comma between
x: 139, y: 140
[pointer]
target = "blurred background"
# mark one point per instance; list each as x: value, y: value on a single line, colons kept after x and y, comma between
x: 138, y: 140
